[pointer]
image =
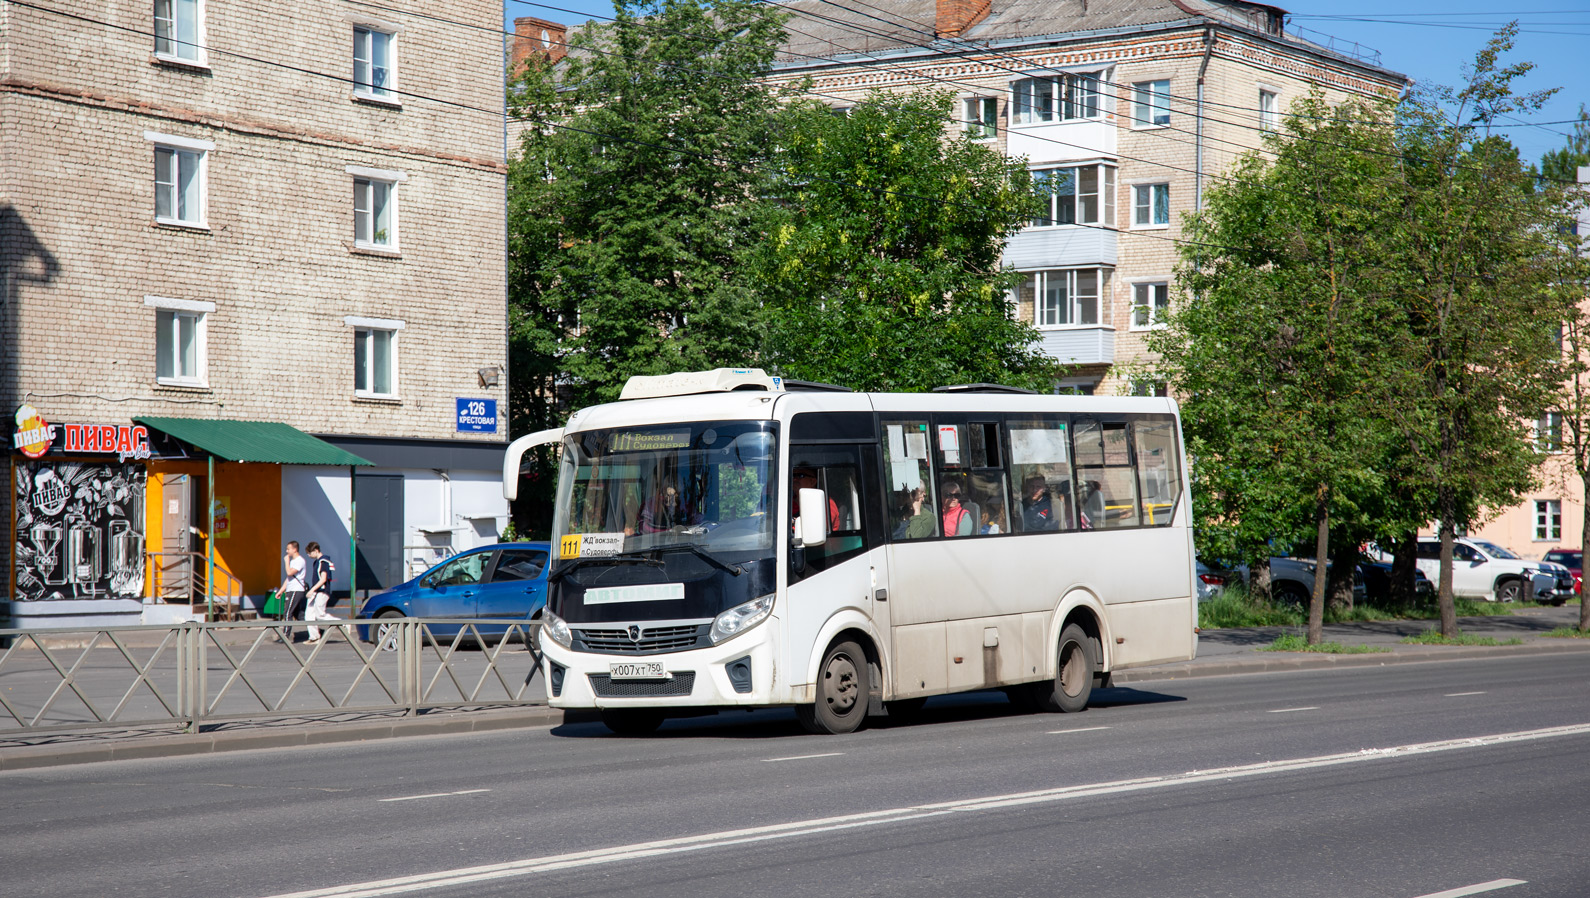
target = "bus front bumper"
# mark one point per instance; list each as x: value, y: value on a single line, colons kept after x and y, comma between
x: 737, y: 672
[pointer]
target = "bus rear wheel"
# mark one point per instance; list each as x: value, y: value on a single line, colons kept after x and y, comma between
x: 842, y: 692
x: 1072, y: 686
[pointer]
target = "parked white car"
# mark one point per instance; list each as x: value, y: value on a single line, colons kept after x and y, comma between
x: 1484, y: 570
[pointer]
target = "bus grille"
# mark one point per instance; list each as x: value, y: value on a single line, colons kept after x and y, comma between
x: 652, y: 639
x: 605, y: 687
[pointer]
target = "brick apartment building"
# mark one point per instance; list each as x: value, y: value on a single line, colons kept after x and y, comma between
x: 1127, y: 110
x: 217, y: 212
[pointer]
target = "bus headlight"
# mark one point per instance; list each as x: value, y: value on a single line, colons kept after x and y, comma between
x: 741, y: 618
x: 555, y: 629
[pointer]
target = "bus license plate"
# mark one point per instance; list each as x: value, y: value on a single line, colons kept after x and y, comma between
x: 637, y: 670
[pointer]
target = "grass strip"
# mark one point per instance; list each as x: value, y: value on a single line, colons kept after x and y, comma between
x: 1434, y: 637
x: 1568, y: 633
x: 1294, y: 642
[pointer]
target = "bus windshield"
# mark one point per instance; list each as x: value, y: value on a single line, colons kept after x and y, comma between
x: 702, y: 484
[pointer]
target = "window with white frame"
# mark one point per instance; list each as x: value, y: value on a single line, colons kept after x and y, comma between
x: 1151, y: 103
x: 1150, y: 388
x: 1065, y: 297
x: 1075, y: 194
x: 181, y: 168
x: 1065, y: 98
x: 373, y: 62
x: 982, y: 118
x: 179, y: 30
x: 1548, y: 432
x: 1150, y: 205
x: 181, y: 340
x: 1269, y: 110
x: 375, y: 208
x: 1548, y: 519
x: 1150, y: 305
x: 375, y: 357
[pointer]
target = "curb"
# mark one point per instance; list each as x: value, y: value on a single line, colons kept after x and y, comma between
x: 1285, y: 661
x: 34, y: 757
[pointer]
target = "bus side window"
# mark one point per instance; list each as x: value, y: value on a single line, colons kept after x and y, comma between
x: 912, y: 499
x: 989, y: 488
x: 1158, y: 467
x: 836, y: 470
x: 1106, y: 483
x: 1040, y: 471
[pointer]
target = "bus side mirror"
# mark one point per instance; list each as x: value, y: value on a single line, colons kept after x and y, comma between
x: 813, y: 529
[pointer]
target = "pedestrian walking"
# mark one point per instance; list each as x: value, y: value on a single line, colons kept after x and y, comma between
x: 321, y: 571
x: 292, y: 591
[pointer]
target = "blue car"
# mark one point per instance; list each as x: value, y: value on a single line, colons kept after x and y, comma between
x: 507, y: 580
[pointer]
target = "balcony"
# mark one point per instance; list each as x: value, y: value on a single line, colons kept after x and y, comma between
x: 1062, y: 246
x: 1080, y: 345
x: 1062, y: 141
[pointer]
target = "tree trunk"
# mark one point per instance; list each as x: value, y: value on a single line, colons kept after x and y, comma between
x: 1259, y: 581
x: 1316, y: 604
x: 1584, y: 551
x: 1344, y: 566
x: 1404, y: 564
x: 1447, y: 505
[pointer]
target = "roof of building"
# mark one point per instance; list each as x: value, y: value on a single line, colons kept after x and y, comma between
x: 824, y: 28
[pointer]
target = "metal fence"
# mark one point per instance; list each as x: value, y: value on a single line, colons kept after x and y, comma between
x: 196, y: 673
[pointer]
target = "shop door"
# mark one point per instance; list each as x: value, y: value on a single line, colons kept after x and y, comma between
x: 380, y: 501
x: 177, y: 537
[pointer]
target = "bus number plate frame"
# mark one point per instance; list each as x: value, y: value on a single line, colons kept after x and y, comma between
x: 637, y: 670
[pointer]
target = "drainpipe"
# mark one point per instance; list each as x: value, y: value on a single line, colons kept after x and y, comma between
x: 353, y: 542
x: 1198, y: 140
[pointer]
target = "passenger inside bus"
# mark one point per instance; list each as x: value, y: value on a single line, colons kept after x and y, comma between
x: 958, y: 519
x: 914, y: 516
x: 1037, y: 508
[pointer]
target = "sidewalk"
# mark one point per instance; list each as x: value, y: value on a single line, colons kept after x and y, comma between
x: 1224, y: 652
x: 1220, y: 653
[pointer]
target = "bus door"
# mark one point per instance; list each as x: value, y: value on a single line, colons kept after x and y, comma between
x: 849, y: 572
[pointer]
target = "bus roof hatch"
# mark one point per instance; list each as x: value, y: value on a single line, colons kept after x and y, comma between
x: 685, y: 383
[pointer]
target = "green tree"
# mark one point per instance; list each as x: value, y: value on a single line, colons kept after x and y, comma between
x: 634, y: 192
x: 881, y: 265
x: 1479, y: 355
x: 1562, y: 164
x: 1285, y: 294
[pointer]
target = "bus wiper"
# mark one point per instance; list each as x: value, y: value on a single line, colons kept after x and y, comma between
x: 628, y: 557
x: 706, y: 556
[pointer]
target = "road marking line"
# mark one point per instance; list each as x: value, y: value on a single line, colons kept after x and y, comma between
x: 1290, y: 710
x: 1457, y: 694
x: 1491, y: 886
x: 1077, y: 730
x: 909, y: 813
x: 826, y: 754
x: 434, y: 795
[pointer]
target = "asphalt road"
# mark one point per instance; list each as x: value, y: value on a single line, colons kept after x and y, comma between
x: 1401, y: 781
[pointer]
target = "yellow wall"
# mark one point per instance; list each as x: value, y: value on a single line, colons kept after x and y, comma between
x: 255, y: 491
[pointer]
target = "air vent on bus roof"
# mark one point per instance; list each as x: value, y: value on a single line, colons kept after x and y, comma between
x: 685, y: 383
x: 812, y: 386
x: 983, y: 388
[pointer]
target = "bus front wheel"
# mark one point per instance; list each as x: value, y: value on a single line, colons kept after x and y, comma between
x: 842, y: 692
x: 1073, y: 684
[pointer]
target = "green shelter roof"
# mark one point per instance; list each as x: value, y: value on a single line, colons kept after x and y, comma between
x: 254, y: 441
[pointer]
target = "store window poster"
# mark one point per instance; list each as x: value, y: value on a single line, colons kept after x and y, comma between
x: 79, y: 530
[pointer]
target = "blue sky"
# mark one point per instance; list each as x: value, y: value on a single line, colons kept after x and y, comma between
x: 1427, y: 41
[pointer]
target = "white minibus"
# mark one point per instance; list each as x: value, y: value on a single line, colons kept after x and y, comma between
x: 727, y: 539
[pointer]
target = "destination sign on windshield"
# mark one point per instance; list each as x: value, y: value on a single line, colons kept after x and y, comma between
x: 648, y: 441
